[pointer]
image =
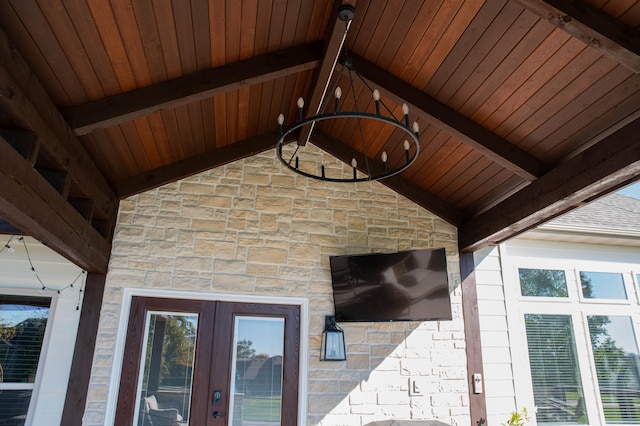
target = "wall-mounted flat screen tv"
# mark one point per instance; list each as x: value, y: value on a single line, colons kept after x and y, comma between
x: 403, y: 286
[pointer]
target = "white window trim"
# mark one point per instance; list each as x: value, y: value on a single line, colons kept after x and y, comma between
x: 129, y: 293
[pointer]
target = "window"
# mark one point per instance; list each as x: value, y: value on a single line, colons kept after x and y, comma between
x: 543, y: 283
x: 602, y: 285
x: 615, y: 352
x: 555, y: 373
x: 23, y: 322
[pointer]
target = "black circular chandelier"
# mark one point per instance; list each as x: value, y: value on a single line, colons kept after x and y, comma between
x: 372, y: 169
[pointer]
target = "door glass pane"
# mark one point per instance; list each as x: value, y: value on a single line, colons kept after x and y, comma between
x: 23, y: 321
x: 167, y: 369
x: 257, y: 371
x: 555, y: 374
x: 617, y: 364
x: 543, y: 283
x: 602, y: 285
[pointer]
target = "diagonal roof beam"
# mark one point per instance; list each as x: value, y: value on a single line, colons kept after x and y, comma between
x: 600, y: 169
x: 428, y: 108
x: 190, y: 166
x: 334, y: 41
x: 396, y: 183
x: 124, y: 107
x: 593, y: 26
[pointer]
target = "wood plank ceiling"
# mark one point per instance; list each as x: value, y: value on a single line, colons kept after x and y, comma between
x: 527, y: 108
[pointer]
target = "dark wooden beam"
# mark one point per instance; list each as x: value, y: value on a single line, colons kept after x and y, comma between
x: 473, y: 343
x: 335, y: 38
x: 125, y: 107
x: 607, y: 165
x: 24, y: 99
x: 594, y: 27
x: 190, y: 166
x: 30, y: 203
x: 396, y: 183
x: 80, y: 374
x: 467, y: 131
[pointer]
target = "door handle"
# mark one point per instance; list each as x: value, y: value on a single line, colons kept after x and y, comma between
x: 216, y: 414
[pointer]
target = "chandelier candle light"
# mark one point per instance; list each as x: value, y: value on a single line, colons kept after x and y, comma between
x: 371, y: 170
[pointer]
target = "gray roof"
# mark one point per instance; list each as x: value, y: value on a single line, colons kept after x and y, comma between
x: 614, y: 212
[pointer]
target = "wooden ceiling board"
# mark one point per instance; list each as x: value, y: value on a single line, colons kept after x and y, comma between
x: 159, y: 136
x: 150, y: 30
x: 170, y: 122
x: 168, y: 41
x: 149, y: 144
x: 492, y: 196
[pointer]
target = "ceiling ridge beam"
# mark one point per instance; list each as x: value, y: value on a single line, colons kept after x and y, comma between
x: 23, y: 99
x: 190, y: 166
x: 435, y: 112
x: 592, y: 26
x: 396, y: 183
x: 35, y: 207
x: 600, y: 169
x: 124, y: 107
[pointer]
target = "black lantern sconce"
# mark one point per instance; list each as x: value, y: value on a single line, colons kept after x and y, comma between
x: 333, y: 347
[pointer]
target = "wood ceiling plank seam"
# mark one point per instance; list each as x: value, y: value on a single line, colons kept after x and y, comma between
x: 185, y: 130
x: 83, y: 32
x: 231, y: 100
x: 100, y: 148
x: 253, y: 126
x: 524, y: 77
x: 130, y: 138
x: 557, y: 84
x: 305, y: 21
x: 147, y: 140
x: 184, y: 35
x: 209, y: 120
x: 535, y: 83
x: 615, y: 9
x: 601, y: 31
x: 291, y: 22
x: 586, y: 117
x: 220, y: 117
x: 248, y: 25
x: 471, y: 48
x: 128, y: 27
x: 463, y: 189
x: 168, y: 39
x: 500, y: 49
x: 496, y: 195
x: 294, y: 86
x: 401, y: 37
x: 217, y: 33
x: 471, y: 133
x: 196, y: 124
x: 447, y: 41
x: 594, y: 89
x: 435, y: 152
x: 170, y: 121
x: 382, y: 31
x: 460, y: 162
x: 318, y: 21
x: 145, y: 14
x: 368, y: 15
x: 200, y: 29
x: 31, y: 204
x: 262, y: 27
x: 183, y: 168
x: 11, y: 23
x: 111, y: 38
x: 159, y: 138
x: 632, y: 15
x: 232, y: 27
x: 244, y: 99
x: 479, y: 93
x: 453, y: 151
x: 278, y: 14
x: 265, y: 119
x: 38, y: 28
x: 277, y: 100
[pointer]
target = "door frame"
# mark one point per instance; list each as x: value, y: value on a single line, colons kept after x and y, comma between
x: 123, y: 323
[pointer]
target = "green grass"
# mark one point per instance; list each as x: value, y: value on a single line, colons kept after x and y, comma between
x: 258, y: 408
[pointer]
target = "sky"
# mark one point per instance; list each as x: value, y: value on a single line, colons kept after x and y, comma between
x: 631, y: 191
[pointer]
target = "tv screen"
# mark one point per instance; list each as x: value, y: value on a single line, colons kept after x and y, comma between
x: 403, y: 286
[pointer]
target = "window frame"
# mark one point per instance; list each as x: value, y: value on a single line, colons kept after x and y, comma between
x: 37, y: 383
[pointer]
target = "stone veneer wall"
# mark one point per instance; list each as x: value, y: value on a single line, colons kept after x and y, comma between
x: 252, y: 228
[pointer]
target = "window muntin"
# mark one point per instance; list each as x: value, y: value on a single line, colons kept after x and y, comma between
x: 617, y: 362
x: 555, y: 373
x: 603, y: 285
x: 543, y: 282
x: 23, y: 322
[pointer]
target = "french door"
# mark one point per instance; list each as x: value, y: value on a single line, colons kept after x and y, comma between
x: 196, y: 362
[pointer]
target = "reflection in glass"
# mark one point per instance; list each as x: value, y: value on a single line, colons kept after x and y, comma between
x: 555, y: 374
x: 23, y: 321
x: 167, y: 369
x: 257, y: 371
x: 543, y: 283
x: 603, y: 285
x: 617, y: 364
